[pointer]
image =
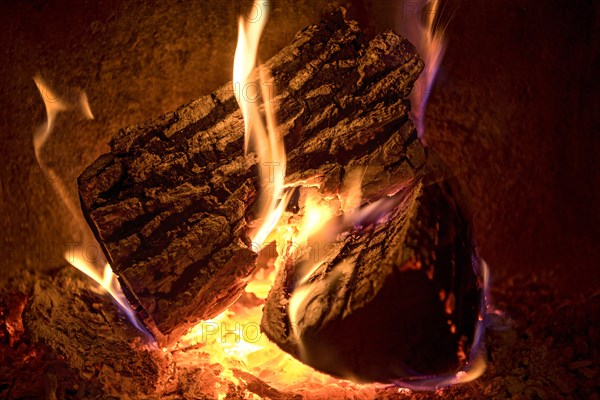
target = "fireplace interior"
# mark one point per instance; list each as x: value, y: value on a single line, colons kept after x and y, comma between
x: 505, y: 166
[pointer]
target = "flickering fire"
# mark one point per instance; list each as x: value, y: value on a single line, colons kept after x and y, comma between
x: 431, y: 46
x: 226, y: 338
x: 95, y: 267
x: 233, y: 339
x: 262, y: 138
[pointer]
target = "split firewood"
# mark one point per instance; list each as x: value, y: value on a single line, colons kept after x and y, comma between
x: 391, y: 300
x: 171, y: 202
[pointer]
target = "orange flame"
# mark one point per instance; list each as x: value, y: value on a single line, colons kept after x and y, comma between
x: 267, y: 141
x: 94, y: 267
x: 226, y: 338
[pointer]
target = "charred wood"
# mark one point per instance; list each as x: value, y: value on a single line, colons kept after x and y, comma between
x: 393, y: 300
x: 171, y: 202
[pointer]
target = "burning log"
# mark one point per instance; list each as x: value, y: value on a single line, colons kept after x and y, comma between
x: 171, y: 202
x: 391, y: 300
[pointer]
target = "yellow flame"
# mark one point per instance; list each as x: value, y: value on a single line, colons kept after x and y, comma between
x: 224, y: 338
x: 249, y: 33
x: 107, y: 279
x: 317, y: 212
x: 351, y: 193
x: 54, y: 105
x: 267, y: 142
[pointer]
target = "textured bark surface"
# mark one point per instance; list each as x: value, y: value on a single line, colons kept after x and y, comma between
x: 390, y: 300
x: 170, y: 202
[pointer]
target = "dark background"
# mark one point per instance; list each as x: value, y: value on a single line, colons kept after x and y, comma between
x: 515, y: 111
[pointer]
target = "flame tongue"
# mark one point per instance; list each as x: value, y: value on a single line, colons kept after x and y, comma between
x: 53, y: 105
x: 95, y: 267
x: 262, y: 136
x: 249, y: 33
x: 431, y: 46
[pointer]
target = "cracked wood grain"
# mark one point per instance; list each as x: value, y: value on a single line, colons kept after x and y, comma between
x: 171, y: 202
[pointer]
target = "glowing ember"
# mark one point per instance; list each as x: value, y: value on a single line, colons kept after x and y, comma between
x: 234, y: 340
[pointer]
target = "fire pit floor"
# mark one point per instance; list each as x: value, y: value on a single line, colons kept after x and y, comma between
x: 93, y: 353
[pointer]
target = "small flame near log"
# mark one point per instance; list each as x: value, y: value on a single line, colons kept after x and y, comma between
x: 96, y: 267
x: 233, y: 339
x: 431, y: 46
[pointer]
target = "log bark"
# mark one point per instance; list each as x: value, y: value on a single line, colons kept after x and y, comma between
x: 392, y: 300
x: 170, y: 203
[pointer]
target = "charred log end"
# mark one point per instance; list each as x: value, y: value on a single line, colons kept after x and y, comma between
x: 402, y: 332
x: 418, y: 320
